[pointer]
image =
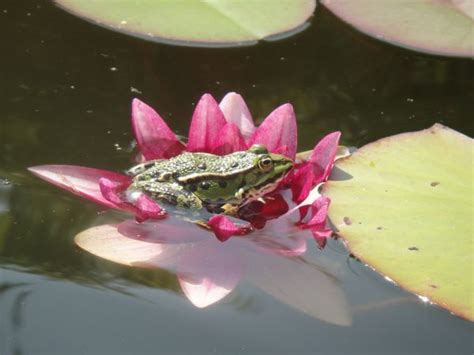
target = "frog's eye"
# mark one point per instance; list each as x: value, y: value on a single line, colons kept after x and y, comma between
x: 265, y: 164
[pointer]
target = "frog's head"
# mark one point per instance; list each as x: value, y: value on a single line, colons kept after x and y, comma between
x: 239, y: 177
x: 269, y: 165
x: 268, y: 171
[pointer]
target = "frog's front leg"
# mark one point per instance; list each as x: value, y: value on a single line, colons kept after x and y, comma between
x: 239, y: 195
x: 188, y: 200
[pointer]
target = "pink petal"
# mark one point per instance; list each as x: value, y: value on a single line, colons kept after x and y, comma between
x: 324, y: 153
x: 80, y: 180
x: 206, y: 125
x: 317, y: 168
x: 107, y: 242
x: 229, y: 140
x: 223, y: 227
x: 147, y: 208
x: 274, y: 206
x: 278, y: 132
x: 143, y: 206
x: 304, y: 205
x: 236, y: 111
x: 321, y: 241
x: 155, y: 139
x: 319, y: 212
x: 110, y: 189
x: 209, y: 272
x: 318, y: 221
x: 280, y: 236
x: 302, y: 182
x: 258, y: 213
x: 283, y: 150
x: 168, y: 231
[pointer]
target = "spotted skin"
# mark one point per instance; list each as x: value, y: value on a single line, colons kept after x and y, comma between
x: 216, y: 183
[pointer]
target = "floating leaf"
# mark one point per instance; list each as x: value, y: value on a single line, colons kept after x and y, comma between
x: 433, y: 26
x: 214, y: 23
x: 404, y: 204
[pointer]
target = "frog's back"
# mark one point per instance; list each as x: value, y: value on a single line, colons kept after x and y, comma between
x: 188, y: 167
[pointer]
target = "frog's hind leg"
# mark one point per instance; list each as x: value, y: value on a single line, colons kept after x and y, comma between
x: 168, y: 192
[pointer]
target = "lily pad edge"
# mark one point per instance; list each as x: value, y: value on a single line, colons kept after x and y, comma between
x: 191, y: 43
x: 394, y: 280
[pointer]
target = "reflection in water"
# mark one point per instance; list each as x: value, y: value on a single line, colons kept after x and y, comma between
x: 208, y: 270
x: 17, y: 308
x: 35, y: 240
x: 390, y: 302
x: 12, y: 316
x: 302, y: 284
x: 5, y: 186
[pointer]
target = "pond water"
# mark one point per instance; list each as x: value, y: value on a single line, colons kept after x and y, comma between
x: 66, y: 92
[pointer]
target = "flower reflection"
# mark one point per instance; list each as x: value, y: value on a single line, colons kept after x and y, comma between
x: 208, y: 270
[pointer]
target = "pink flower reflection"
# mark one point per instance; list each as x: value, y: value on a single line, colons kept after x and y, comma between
x: 208, y: 270
x: 219, y: 129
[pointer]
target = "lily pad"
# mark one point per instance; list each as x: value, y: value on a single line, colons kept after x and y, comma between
x: 208, y: 23
x: 404, y: 205
x: 434, y: 26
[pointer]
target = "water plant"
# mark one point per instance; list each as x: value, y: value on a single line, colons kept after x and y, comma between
x: 217, y: 129
x: 208, y: 271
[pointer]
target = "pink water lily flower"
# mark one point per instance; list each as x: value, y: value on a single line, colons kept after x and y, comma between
x: 219, y: 129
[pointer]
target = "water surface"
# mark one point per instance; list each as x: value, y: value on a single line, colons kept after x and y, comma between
x: 66, y: 90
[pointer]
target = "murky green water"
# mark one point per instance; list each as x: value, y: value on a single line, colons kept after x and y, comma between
x: 66, y: 88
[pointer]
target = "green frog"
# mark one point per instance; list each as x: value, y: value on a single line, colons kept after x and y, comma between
x: 203, y: 181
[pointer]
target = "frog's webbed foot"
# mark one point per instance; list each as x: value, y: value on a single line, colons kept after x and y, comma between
x: 230, y: 209
x: 203, y: 224
x: 227, y: 209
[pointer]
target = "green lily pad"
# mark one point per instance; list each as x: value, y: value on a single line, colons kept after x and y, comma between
x: 215, y: 23
x: 434, y: 26
x: 404, y: 205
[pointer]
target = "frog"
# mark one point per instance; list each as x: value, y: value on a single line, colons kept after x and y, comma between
x: 208, y: 182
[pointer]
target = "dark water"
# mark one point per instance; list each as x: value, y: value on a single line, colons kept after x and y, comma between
x: 66, y: 88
